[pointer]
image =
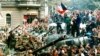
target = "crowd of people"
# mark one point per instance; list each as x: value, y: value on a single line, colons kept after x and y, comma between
x: 25, y: 39
x: 79, y: 23
x: 75, y: 51
x: 73, y: 20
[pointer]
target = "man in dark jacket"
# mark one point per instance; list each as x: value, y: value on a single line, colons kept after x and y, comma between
x: 78, y: 21
x: 11, y: 41
x: 58, y: 20
x: 75, y: 26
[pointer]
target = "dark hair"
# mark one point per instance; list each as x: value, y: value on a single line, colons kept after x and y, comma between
x: 91, y: 12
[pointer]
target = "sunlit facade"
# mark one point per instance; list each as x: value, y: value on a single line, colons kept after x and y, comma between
x: 13, y: 12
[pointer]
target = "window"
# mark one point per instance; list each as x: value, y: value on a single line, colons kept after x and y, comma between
x: 29, y: 18
x: 8, y: 19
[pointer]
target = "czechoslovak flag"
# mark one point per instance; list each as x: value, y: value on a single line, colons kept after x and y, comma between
x: 61, y: 9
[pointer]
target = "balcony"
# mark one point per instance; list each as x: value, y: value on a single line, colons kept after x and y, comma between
x: 28, y: 4
x: 20, y: 3
x: 8, y: 3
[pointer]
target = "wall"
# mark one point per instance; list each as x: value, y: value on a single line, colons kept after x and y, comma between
x: 17, y: 15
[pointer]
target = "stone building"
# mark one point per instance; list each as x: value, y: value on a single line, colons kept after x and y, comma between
x: 13, y: 12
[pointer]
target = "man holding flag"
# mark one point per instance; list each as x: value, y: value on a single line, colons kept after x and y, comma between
x: 59, y: 18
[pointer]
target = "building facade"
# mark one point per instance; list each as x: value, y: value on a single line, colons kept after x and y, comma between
x: 14, y: 12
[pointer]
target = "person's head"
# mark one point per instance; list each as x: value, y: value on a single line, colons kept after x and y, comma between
x: 10, y: 32
x: 98, y: 27
x: 87, y: 46
x: 30, y: 38
x: 92, y: 54
x: 91, y: 12
x: 24, y: 43
x: 65, y: 15
x: 94, y: 29
x: 30, y: 51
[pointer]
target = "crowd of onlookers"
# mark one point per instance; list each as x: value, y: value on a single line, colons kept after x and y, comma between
x: 75, y: 51
x: 25, y: 40
x: 73, y: 20
x: 79, y: 23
